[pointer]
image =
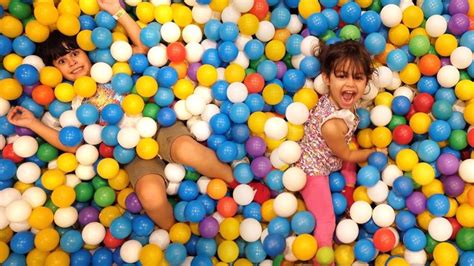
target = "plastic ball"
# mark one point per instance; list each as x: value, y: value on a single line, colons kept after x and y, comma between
x: 347, y: 231
x: 250, y: 230
x: 445, y: 253
x: 384, y: 239
x: 440, y: 229
x: 93, y: 233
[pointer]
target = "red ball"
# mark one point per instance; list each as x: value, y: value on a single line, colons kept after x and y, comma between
x: 470, y: 137
x: 227, y: 207
x: 106, y: 151
x: 43, y: 94
x: 262, y: 193
x: 176, y: 52
x: 9, y: 154
x: 111, y: 242
x: 254, y: 83
x: 455, y: 225
x: 423, y: 102
x: 384, y: 239
x: 259, y: 9
x: 411, y: 112
x: 402, y: 134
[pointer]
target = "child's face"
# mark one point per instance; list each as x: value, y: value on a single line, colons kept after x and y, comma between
x: 74, y: 64
x: 346, y: 85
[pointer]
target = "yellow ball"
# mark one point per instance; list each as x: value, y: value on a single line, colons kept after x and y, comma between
x: 469, y: 113
x: 10, y: 89
x: 145, y: 12
x: 36, y: 31
x: 412, y: 17
x: 304, y: 247
x: 6, y: 234
x: 163, y: 13
x: 234, y: 73
x: 121, y: 67
x: 183, y: 88
x: 242, y: 262
x: 41, y: 218
x: 46, y: 13
x: 133, y: 104
x: 69, y: 7
x: 453, y: 207
x: 464, y: 90
x: 344, y: 255
x: 50, y: 76
x: 420, y: 123
x: 108, y: 214
x: 64, y: 92
x: 57, y: 258
x: 228, y: 251
x: 434, y: 187
x: 47, y: 239
x: 147, y: 148
x: 406, y: 159
x: 465, y: 215
x: 308, y: 7
x: 445, y: 44
x: 273, y: 143
x: 120, y: 181
x: 218, y: 5
x: 248, y: 24
x: 4, y: 252
x: 12, y: 61
x: 423, y: 173
x: 69, y: 24
x: 267, y: 210
x: 399, y: 35
x: 360, y: 193
x: 273, y: 94
x: 119, y: 36
x: 295, y: 132
x: 85, y: 86
x: 151, y: 254
x: 364, y: 138
x: 364, y: 3
x: 146, y: 86
x: 256, y: 122
x: 381, y: 137
x: 418, y: 32
x: 445, y: 254
x: 229, y: 228
x: 410, y: 74
x: 275, y: 50
x: 381, y: 260
x: 384, y: 98
x: 423, y: 219
x: 89, y: 7
x: 108, y: 168
x: 122, y: 196
x: 397, y: 261
x: 180, y: 233
x: 22, y: 187
x: 11, y: 27
x: 182, y: 15
x: 307, y: 96
x: 206, y: 75
x: 63, y: 196
x: 36, y: 257
x: 53, y: 178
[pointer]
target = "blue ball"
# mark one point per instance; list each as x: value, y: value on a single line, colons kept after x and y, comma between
x: 220, y: 123
x: 401, y: 105
x: 87, y: 22
x: 279, y: 225
x: 310, y: 66
x: 274, y: 244
x: 87, y: 114
x: 7, y: 169
x: 387, y: 2
x: 467, y: 258
x: 274, y: 180
x: 211, y: 57
x: 255, y: 252
x: 142, y: 225
x: 123, y: 155
x: 255, y: 102
x: 23, y: 46
x: 428, y: 150
x: 194, y: 211
x: 81, y: 257
x: 329, y: 3
x: 317, y: 24
x: 164, y: 97
x: 15, y: 259
x: 456, y: 121
x: 293, y: 44
x: 26, y: 74
x: 397, y: 60
x: 303, y: 222
x: 175, y: 254
x: 403, y: 186
x: 150, y: 36
x: 432, y: 7
x: 281, y: 106
x: 243, y: 173
x: 178, y: 211
x: 138, y: 63
x: 206, y: 247
x: 280, y: 17
x: 405, y: 220
x: 102, y: 55
x: 428, y: 84
x: 215, y: 141
x: 239, y: 134
x: 442, y: 109
x: 227, y: 51
x: 5, y: 45
x: 211, y: 29
x: 368, y: 176
x: 293, y: 80
x: 152, y: 71
x: 101, y: 37
x: 166, y: 117
x: 22, y: 242
x: 332, y: 17
x: 350, y: 12
x: 364, y: 118
x: 225, y: 107
x: 268, y: 69
x: 339, y: 203
x: 438, y: 205
x: 395, y: 201
x: 70, y: 136
x: 167, y: 76
x: 337, y: 182
x: 219, y: 90
x: 6, y: 128
x: 112, y: 113
x: 201, y: 261
x: 254, y: 49
x: 379, y: 160
x: 71, y: 241
x: 102, y: 256
x: 364, y: 250
x: 370, y: 22
x: 375, y: 43
x: 439, y: 130
x: 467, y: 39
x: 122, y: 83
x: 104, y: 19
x: 109, y: 135
x: 239, y: 113
x: 31, y: 105
x: 227, y: 151
x: 188, y: 190
x: 121, y: 227
x: 228, y: 31
x: 208, y: 203
x: 253, y: 210
x: 414, y: 239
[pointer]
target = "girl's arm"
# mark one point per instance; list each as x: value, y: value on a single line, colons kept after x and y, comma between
x: 131, y: 27
x: 334, y: 131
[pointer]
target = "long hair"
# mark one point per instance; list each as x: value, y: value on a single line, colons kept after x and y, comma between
x: 55, y: 46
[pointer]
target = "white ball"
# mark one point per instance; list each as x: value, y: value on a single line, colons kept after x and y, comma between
x: 205, y: 93
x: 436, y: 25
x: 146, y: 127
x: 35, y: 196
x: 202, y: 183
x: 266, y: 31
x: 405, y: 91
x: 20, y: 226
x: 380, y: 115
x: 3, y: 218
x: 28, y: 172
x: 415, y: 257
x: 285, y: 204
x: 242, y: 60
x: 370, y: 92
x: 250, y: 230
x: 289, y: 151
x: 241, y: 41
x: 440, y: 229
x: 18, y: 211
x: 69, y: 118
x: 209, y: 111
x: 208, y: 44
x: 172, y: 188
x: 276, y: 128
x: 25, y: 146
x: 92, y: 133
x: 101, y: 72
x: 175, y: 172
x: 3, y: 142
x: 382, y: 77
x: 194, y: 52
x: 130, y: 251
x: 391, y: 15
x: 161, y: 238
x: 201, y: 130
x: 448, y: 76
x: 230, y: 14
x: 243, y: 5
x: 195, y: 104
x: 180, y: 109
x: 243, y: 194
x: 296, y: 60
x: 466, y: 170
x: 310, y: 45
x: 347, y: 231
x: 191, y: 121
x: 65, y: 217
x: 461, y: 57
x: 289, y: 255
x: 264, y: 234
x: 378, y: 193
x: 157, y: 55
x: 192, y: 33
x: 383, y: 215
x: 319, y: 85
x: 396, y: 82
x: 128, y: 137
x: 87, y: 154
x: 85, y: 172
x: 160, y: 2
x: 237, y: 92
x: 4, y: 107
x: 294, y: 179
x: 8, y: 195
x: 360, y: 212
x: 297, y: 113
x: 275, y: 159
x: 72, y: 180
x: 93, y: 233
x: 295, y: 25
x: 201, y: 13
x: 121, y: 51
x: 170, y: 32
x: 35, y: 61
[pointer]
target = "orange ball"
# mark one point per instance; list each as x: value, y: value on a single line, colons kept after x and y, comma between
x: 227, y: 207
x: 216, y: 189
x: 382, y: 58
x: 470, y: 197
x: 181, y: 68
x: 429, y: 64
x: 43, y: 94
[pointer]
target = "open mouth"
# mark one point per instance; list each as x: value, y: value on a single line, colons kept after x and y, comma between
x: 77, y: 70
x: 348, y: 96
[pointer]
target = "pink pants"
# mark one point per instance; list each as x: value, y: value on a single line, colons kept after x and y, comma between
x: 317, y: 197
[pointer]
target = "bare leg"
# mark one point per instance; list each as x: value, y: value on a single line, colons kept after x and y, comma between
x: 186, y: 150
x: 151, y: 191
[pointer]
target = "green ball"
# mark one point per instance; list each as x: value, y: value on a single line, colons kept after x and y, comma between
x: 432, y: 50
x: 278, y: 260
x: 328, y: 35
x: 287, y: 60
x: 104, y: 196
x: 249, y: 71
x: 151, y: 110
x: 50, y: 205
x: 84, y: 191
x: 19, y: 9
x: 396, y: 121
x: 192, y: 175
x: 458, y: 139
x: 419, y: 45
x: 46, y: 152
x: 376, y: 6
x: 173, y: 201
x: 254, y: 63
x: 464, y: 75
x: 98, y: 182
x: 350, y: 32
x: 465, y: 239
x: 430, y: 244
x: 325, y: 256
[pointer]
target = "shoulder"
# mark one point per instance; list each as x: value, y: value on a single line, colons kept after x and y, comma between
x: 334, y: 127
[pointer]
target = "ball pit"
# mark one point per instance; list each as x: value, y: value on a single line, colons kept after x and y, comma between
x: 242, y: 76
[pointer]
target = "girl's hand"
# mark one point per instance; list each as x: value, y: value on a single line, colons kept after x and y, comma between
x: 381, y: 150
x: 20, y: 116
x: 111, y: 6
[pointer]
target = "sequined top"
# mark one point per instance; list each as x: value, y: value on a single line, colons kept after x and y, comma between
x: 316, y: 158
x: 103, y: 96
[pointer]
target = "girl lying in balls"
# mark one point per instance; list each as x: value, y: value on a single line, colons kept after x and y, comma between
x: 176, y: 144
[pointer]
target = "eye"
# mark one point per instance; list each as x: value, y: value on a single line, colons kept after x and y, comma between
x: 75, y: 52
x: 60, y: 61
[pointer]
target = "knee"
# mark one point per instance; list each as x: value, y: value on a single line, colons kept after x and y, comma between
x: 152, y: 195
x: 182, y: 146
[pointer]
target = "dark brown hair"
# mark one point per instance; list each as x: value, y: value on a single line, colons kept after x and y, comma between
x: 55, y: 46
